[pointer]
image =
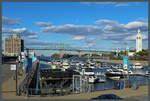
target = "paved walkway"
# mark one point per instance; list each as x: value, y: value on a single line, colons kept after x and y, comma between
x: 8, y: 92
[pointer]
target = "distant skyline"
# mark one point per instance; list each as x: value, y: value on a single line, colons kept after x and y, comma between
x: 94, y: 25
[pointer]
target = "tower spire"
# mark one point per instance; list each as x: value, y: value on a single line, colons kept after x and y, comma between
x: 139, y: 31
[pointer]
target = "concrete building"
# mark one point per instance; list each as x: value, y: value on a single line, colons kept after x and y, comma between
x: 138, y: 41
x: 13, y: 45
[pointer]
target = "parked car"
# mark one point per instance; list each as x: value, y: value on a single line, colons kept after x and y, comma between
x: 106, y: 96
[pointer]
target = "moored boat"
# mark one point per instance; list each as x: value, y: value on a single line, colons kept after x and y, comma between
x: 137, y: 65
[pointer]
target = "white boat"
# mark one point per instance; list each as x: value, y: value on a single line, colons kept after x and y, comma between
x: 92, y: 79
x: 99, y: 74
x: 115, y: 71
x: 113, y: 74
x: 146, y: 72
x: 65, y: 65
x: 114, y: 78
x: 91, y: 65
x: 137, y: 65
x: 89, y: 72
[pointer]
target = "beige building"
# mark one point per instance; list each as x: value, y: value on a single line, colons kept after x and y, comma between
x: 13, y: 45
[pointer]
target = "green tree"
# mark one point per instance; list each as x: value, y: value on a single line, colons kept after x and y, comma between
x: 55, y: 56
x: 143, y: 53
x: 122, y: 53
x: 67, y: 55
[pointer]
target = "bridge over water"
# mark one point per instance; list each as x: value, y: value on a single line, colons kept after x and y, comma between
x: 67, y: 47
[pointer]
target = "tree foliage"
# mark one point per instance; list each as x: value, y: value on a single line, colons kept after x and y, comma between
x: 143, y: 53
x: 55, y: 56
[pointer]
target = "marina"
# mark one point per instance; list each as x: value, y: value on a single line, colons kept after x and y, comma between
x: 55, y: 77
x: 61, y: 78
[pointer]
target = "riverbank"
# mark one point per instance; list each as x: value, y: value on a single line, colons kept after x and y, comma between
x: 144, y: 63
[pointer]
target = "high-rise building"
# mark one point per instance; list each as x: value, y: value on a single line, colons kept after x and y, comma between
x: 13, y: 45
x: 139, y: 41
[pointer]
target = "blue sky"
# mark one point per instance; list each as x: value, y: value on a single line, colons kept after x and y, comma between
x: 97, y: 25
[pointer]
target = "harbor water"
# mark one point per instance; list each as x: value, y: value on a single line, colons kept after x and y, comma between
x: 110, y: 84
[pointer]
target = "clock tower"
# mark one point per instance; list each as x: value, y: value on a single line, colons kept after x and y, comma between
x: 138, y: 41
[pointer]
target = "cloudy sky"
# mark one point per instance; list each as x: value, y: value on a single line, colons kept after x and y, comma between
x: 94, y: 25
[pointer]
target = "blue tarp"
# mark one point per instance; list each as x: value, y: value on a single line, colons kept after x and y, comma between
x: 125, y: 59
x: 121, y: 85
x: 34, y: 58
x: 126, y: 62
x: 24, y: 63
x: 29, y: 62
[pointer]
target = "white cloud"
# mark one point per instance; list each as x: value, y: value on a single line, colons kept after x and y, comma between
x: 33, y: 36
x: 73, y: 29
x: 106, y: 22
x: 142, y: 19
x: 115, y: 4
x: 20, y: 31
x: 129, y: 38
x: 115, y: 27
x: 122, y: 42
x: 121, y: 33
x: 43, y: 23
x: 133, y: 37
x: 121, y: 4
x: 82, y: 38
x: 14, y: 31
x: 9, y: 22
x: 78, y: 38
x: 136, y: 24
x: 111, y: 26
x: 114, y: 36
x: 109, y: 30
x: 33, y: 42
x: 145, y: 37
x: 90, y: 40
x: 91, y: 45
